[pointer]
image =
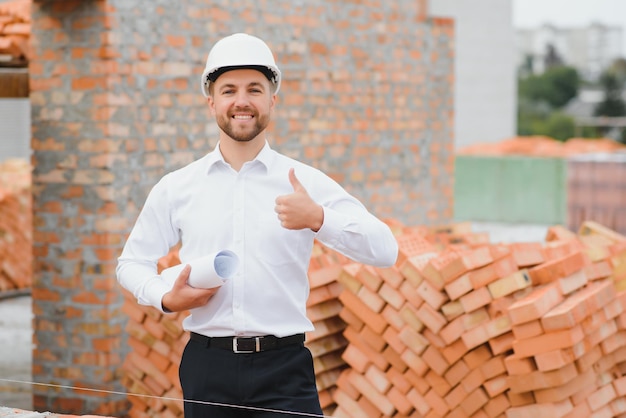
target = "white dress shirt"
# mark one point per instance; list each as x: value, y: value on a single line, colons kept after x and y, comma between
x: 209, y: 207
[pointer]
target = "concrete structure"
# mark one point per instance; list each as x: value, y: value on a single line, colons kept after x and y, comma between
x: 589, y: 49
x: 485, y: 93
x: 367, y: 97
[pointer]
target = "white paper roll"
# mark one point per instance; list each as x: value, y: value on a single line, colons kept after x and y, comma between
x: 206, y: 272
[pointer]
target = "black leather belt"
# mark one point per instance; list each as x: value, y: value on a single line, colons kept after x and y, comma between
x: 247, y: 344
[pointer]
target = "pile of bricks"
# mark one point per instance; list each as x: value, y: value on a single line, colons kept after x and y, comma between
x: 16, y: 238
x: 544, y: 146
x: 459, y: 327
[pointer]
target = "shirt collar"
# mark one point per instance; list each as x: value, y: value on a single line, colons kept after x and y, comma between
x: 265, y: 157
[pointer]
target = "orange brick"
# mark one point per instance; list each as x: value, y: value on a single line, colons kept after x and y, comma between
x: 455, y: 396
x: 414, y: 362
x: 509, y: 284
x: 411, y: 295
x: 566, y: 315
x: 454, y: 351
x: 456, y: 372
x: 497, y: 405
x: 473, y: 380
x: 572, y: 282
x: 552, y: 410
x: 436, y: 402
x: 391, y: 276
x: 434, y: 339
x: 347, y: 277
x: 399, y: 401
x: 474, y: 337
x: 598, y: 270
x: 475, y: 318
x: 394, y: 358
x: 458, y: 287
x: 373, y: 339
x: 548, y: 342
x: 437, y: 383
x: 475, y: 299
x: 535, y: 304
x: 542, y: 380
x: 502, y: 344
x: 371, y: 299
x: 517, y: 365
x: 413, y: 340
x: 369, y: 277
x: 601, y: 397
x: 452, y: 310
x: 408, y: 314
x: 392, y: 296
x: 527, y: 254
x: 353, y: 303
x: 418, y: 402
x: 527, y: 329
x: 431, y: 295
x: 481, y: 277
x: 378, y: 379
x: 435, y: 360
x: 555, y: 359
x: 398, y: 380
x: 558, y: 268
x: 431, y: 318
x: 392, y: 317
x: 493, y: 367
x: 520, y: 399
x: 496, y: 386
x: 391, y: 337
x: 594, y: 359
x: 453, y: 330
x: 563, y: 392
x: 412, y: 269
x: 474, y: 401
x: 381, y: 403
x: 372, y: 355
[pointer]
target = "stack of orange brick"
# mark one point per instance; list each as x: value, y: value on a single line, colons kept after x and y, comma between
x: 16, y: 238
x: 459, y: 327
x: 487, y: 330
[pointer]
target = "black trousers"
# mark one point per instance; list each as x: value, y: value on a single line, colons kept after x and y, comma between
x: 278, y: 383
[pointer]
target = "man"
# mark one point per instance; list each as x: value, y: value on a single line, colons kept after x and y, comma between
x: 246, y: 356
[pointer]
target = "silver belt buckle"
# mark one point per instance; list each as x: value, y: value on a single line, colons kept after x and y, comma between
x: 257, y: 346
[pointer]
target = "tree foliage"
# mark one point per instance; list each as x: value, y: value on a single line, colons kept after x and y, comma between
x: 556, y: 86
x: 613, y: 104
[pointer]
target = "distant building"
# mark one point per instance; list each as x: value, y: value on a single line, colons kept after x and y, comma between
x: 589, y: 49
x: 485, y: 90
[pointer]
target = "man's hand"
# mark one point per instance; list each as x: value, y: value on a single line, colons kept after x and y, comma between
x: 297, y: 210
x: 183, y: 297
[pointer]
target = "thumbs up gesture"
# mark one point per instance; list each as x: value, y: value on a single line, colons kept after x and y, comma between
x: 297, y: 210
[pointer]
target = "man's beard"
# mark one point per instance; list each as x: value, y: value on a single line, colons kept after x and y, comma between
x: 226, y: 125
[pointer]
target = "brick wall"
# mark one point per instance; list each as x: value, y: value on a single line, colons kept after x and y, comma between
x: 367, y: 97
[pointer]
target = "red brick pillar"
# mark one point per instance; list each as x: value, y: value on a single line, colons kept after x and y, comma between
x: 79, y: 154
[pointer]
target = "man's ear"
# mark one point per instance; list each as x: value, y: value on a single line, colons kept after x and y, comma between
x: 211, y: 104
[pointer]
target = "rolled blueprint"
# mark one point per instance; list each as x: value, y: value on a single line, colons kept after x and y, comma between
x: 206, y: 272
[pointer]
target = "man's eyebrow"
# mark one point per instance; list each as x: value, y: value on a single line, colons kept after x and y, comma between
x: 233, y: 85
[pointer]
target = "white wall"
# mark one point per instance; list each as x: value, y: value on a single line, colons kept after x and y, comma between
x: 485, y: 69
x: 14, y: 128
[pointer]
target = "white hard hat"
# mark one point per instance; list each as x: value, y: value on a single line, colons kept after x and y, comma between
x: 239, y: 50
